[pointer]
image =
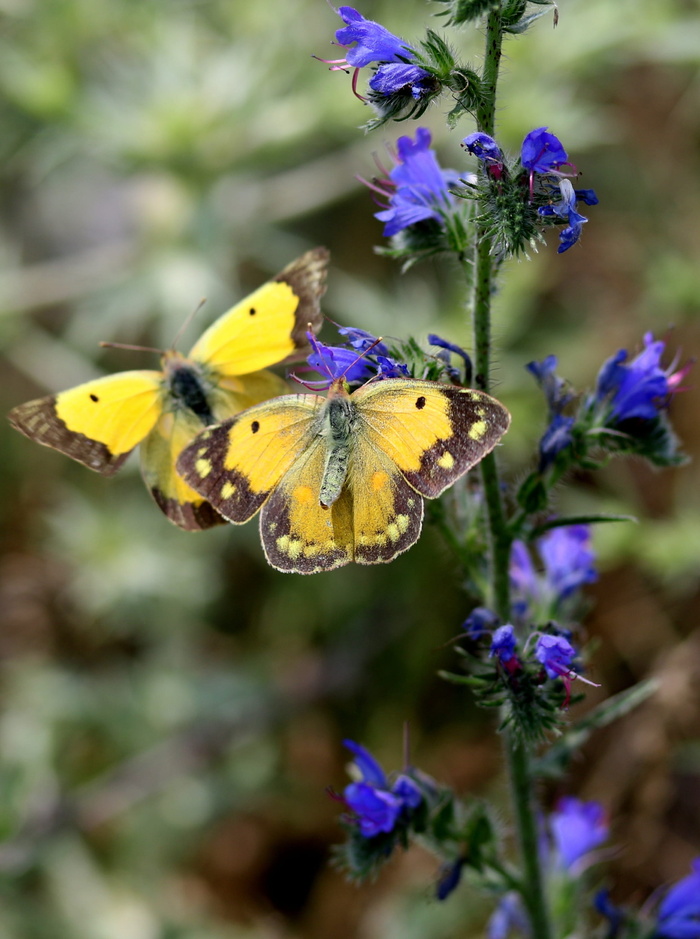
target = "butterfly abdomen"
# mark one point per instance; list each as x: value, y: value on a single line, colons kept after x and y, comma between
x: 339, y: 419
x: 188, y: 390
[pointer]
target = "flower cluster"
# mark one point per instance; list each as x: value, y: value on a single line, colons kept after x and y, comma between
x: 527, y: 191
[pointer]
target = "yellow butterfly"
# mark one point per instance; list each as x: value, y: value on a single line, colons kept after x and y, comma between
x: 100, y: 422
x: 341, y: 478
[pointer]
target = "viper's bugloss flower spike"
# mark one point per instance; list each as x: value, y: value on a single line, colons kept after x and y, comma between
x: 487, y: 150
x: 369, y: 768
x: 417, y: 188
x: 577, y: 828
x: 679, y: 911
x: 557, y: 437
x: 554, y: 387
x: 361, y: 340
x: 396, y: 77
x: 556, y: 655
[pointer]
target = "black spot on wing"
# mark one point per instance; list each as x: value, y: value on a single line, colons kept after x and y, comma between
x: 189, y: 516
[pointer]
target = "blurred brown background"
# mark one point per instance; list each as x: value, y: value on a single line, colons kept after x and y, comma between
x: 171, y: 709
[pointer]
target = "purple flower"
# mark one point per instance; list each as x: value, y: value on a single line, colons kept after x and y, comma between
x: 638, y: 388
x: 542, y: 152
x: 577, y: 828
x: 444, y: 357
x: 556, y: 655
x: 552, y: 385
x: 336, y: 362
x: 374, y: 42
x: 479, y: 622
x: 557, y: 437
x: 417, y: 187
x: 679, y: 913
x: 503, y: 644
x: 568, y: 564
x: 358, y: 363
x: 483, y: 147
x: 397, y: 77
x: 508, y: 916
x: 449, y: 878
x: 566, y: 209
x: 377, y: 808
x: 568, y: 558
x: 614, y: 915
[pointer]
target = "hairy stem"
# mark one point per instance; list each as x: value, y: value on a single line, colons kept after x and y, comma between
x: 499, y: 533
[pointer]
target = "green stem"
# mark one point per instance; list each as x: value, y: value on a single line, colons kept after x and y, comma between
x: 500, y: 539
x: 532, y: 890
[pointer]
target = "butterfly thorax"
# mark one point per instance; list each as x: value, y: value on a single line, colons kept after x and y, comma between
x: 188, y: 387
x: 339, y: 420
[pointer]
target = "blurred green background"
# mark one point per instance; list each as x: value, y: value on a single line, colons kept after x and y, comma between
x: 171, y: 709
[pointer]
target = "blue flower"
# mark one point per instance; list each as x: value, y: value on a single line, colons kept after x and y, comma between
x: 503, y: 644
x: 638, y: 388
x: 449, y: 878
x: 483, y: 147
x: 568, y: 564
x: 556, y: 655
x: 374, y: 42
x: 417, y: 187
x: 614, y: 915
x: 479, y: 622
x: 508, y: 916
x: 542, y: 152
x: 568, y: 558
x: 577, y: 828
x: 552, y: 385
x: 557, y: 437
x: 444, y: 357
x: 397, y: 77
x: 679, y: 913
x: 336, y: 362
x: 377, y: 808
x: 355, y: 364
x: 397, y: 72
x: 566, y: 209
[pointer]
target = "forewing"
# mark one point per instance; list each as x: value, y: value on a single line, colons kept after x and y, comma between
x: 433, y: 432
x: 235, y: 465
x: 298, y: 534
x: 159, y: 452
x: 98, y: 423
x: 270, y: 325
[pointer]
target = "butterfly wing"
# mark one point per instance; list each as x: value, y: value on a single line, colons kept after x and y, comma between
x: 98, y: 423
x: 178, y: 426
x: 432, y: 432
x: 236, y: 465
x: 387, y: 513
x: 270, y: 325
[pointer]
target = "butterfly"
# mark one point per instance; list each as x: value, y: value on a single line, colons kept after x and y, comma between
x: 100, y: 422
x: 342, y: 478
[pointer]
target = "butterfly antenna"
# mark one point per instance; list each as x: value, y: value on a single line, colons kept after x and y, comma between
x: 124, y: 345
x: 188, y: 319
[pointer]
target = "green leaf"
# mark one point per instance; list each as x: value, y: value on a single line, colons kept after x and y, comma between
x: 554, y: 762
